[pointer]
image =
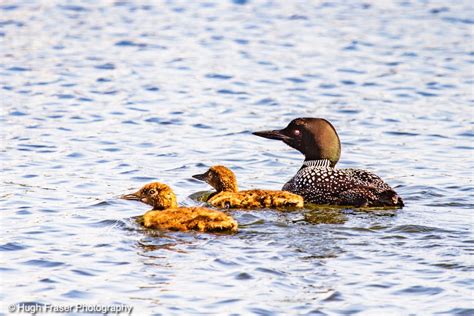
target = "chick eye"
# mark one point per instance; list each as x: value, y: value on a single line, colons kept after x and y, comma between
x: 297, y: 132
x: 151, y: 191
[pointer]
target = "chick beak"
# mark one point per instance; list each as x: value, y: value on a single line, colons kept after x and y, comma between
x: 276, y: 134
x: 132, y: 197
x: 202, y: 177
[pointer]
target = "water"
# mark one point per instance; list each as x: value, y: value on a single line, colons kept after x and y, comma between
x: 101, y: 97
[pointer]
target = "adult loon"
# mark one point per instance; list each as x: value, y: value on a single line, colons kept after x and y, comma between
x: 167, y: 215
x: 318, y: 180
x: 227, y: 194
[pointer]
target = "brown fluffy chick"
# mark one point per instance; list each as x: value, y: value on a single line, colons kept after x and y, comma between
x: 227, y: 194
x: 167, y: 215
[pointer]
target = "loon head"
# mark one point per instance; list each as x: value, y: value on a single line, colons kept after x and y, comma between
x: 220, y: 178
x: 315, y: 138
x: 156, y: 194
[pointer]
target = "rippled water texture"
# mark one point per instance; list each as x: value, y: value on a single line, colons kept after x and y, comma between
x: 101, y: 97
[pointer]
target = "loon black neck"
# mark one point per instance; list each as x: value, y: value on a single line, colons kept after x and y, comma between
x: 317, y: 163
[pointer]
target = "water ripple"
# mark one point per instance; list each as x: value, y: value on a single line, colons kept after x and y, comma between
x: 101, y: 97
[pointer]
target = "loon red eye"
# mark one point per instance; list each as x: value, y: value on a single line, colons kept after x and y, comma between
x: 297, y: 132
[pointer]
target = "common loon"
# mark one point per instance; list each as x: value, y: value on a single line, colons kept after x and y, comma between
x: 227, y: 194
x: 167, y: 215
x: 318, y: 180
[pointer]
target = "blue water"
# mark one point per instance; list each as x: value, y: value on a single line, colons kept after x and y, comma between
x: 101, y: 97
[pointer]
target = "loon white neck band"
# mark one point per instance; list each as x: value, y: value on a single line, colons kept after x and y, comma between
x: 317, y: 163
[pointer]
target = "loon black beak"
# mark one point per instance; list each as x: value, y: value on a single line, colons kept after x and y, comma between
x: 202, y: 177
x: 276, y: 134
x: 131, y: 197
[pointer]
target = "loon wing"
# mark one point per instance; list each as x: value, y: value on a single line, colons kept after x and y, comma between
x: 363, y: 196
x: 368, y: 179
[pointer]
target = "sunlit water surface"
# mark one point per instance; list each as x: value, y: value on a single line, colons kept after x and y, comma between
x: 101, y: 97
